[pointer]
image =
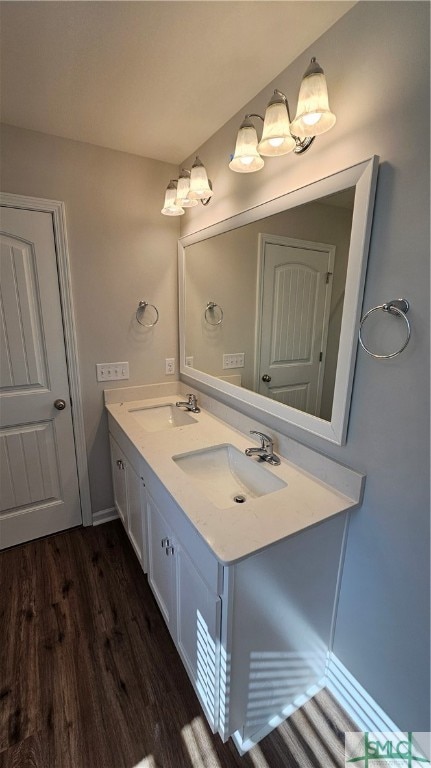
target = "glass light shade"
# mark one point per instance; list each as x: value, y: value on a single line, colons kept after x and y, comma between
x: 313, y: 115
x: 199, y: 185
x: 276, y: 137
x: 170, y: 207
x: 246, y: 158
x: 183, y: 199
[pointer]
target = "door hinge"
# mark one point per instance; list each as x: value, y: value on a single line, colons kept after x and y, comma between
x: 328, y: 275
x: 320, y: 357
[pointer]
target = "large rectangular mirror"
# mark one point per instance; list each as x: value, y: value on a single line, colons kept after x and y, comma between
x: 270, y: 301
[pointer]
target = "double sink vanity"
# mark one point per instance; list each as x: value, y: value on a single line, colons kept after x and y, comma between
x: 244, y: 552
x: 243, y: 555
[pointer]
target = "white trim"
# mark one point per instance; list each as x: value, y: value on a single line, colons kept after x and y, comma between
x: 57, y: 210
x: 363, y: 177
x: 366, y: 714
x: 359, y: 705
x: 105, y: 515
x: 244, y: 745
x: 338, y: 584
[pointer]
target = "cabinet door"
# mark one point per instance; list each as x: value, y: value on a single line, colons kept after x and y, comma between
x: 118, y: 464
x: 198, y: 633
x: 136, y: 511
x: 161, y: 561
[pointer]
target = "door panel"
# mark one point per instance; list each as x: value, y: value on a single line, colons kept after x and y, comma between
x: 118, y: 468
x: 136, y: 512
x: 199, y: 612
x: 28, y: 467
x: 161, y: 566
x: 23, y: 362
x: 295, y: 293
x: 39, y: 490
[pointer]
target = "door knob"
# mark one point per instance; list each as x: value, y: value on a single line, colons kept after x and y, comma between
x: 60, y: 405
x: 266, y: 378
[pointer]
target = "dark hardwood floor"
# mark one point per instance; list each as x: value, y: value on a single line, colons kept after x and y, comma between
x: 90, y: 678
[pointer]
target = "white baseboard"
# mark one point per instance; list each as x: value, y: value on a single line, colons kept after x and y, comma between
x: 359, y: 705
x: 352, y: 697
x: 244, y: 745
x: 104, y: 515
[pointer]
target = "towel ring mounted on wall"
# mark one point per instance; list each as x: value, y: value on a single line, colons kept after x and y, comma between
x: 140, y: 312
x: 397, y: 307
x: 213, y: 311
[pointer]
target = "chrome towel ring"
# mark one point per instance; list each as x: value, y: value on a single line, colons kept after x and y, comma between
x: 213, y: 311
x: 140, y: 312
x: 397, y: 307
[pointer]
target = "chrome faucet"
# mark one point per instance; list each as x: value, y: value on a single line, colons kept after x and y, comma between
x: 266, y: 450
x: 191, y: 404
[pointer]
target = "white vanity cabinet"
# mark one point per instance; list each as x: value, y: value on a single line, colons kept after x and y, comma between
x: 184, y: 577
x: 254, y: 636
x: 254, y: 626
x: 130, y: 493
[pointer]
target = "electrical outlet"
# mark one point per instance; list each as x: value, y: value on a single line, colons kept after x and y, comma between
x: 189, y: 360
x: 235, y: 360
x: 170, y: 366
x: 112, y: 371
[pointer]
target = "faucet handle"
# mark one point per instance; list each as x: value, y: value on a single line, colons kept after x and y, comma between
x: 266, y: 441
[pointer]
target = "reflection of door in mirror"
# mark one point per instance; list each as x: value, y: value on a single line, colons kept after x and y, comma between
x: 292, y: 330
x: 225, y: 269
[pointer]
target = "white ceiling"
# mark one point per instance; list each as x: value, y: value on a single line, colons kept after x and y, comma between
x: 153, y: 78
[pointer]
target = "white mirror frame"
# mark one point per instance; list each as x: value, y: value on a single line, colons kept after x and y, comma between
x: 363, y: 177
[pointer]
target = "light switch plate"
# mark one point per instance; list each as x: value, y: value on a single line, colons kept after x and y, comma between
x: 234, y: 360
x: 112, y: 371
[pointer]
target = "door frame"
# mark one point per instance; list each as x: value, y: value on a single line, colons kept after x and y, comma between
x: 58, y: 213
x: 263, y: 239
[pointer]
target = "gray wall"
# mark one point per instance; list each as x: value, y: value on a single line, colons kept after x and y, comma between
x: 121, y: 250
x: 377, y: 63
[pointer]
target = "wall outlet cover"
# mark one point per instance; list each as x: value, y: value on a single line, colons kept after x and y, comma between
x: 170, y: 366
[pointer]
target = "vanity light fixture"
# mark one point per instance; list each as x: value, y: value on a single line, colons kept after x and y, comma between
x: 280, y: 135
x: 188, y: 190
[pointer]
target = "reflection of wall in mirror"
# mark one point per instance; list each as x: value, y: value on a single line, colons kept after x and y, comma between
x: 224, y: 269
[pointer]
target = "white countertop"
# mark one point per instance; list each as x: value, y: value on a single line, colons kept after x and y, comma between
x: 242, y: 529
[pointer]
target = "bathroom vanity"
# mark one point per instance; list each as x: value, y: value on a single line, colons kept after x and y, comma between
x: 247, y: 588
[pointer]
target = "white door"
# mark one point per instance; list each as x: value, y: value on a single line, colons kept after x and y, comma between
x: 39, y: 482
x: 295, y: 299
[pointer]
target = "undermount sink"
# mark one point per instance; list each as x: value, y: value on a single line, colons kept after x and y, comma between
x: 227, y: 476
x: 159, y: 417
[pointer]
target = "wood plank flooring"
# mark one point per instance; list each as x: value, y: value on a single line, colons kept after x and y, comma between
x: 90, y: 678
